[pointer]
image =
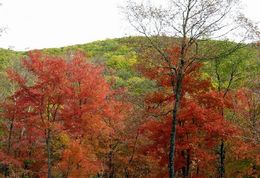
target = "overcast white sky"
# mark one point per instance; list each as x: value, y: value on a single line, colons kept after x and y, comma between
x: 54, y: 23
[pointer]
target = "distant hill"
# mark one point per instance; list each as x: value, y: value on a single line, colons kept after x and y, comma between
x: 120, y: 55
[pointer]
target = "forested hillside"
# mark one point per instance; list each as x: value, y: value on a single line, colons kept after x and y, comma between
x: 104, y: 109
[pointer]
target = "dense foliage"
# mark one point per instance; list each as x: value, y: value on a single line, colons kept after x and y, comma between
x: 104, y: 110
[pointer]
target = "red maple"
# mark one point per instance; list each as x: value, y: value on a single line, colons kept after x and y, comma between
x: 66, y: 97
x: 200, y: 124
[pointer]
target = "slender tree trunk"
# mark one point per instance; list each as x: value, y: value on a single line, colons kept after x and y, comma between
x: 177, y: 93
x: 48, y: 145
x: 10, y: 136
x: 222, y: 159
x: 111, y: 166
x: 4, y: 167
x: 186, y: 167
x: 187, y: 170
x: 127, y: 175
x: 222, y: 155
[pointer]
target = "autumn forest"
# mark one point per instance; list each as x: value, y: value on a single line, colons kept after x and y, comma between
x: 158, y: 105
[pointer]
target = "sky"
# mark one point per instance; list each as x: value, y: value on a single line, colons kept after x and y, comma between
x: 37, y: 24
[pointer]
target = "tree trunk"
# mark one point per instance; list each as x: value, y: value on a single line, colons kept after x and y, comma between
x: 186, y: 167
x: 177, y: 93
x: 111, y: 166
x: 10, y: 136
x: 187, y: 170
x: 222, y: 159
x: 48, y: 145
x: 198, y: 170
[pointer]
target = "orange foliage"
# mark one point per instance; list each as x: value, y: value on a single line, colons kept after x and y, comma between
x: 200, y: 124
x: 70, y: 97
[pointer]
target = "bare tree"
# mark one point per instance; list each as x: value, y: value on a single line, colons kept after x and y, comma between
x: 190, y: 21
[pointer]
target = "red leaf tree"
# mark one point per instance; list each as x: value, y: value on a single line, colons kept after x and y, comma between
x: 200, y: 123
x: 66, y: 97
